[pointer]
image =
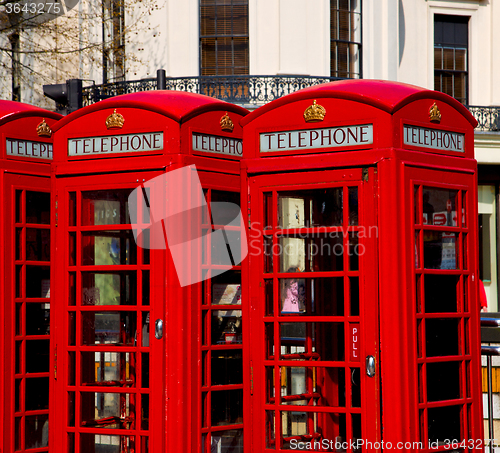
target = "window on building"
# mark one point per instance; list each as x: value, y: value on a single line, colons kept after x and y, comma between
x: 113, y: 27
x: 15, y: 44
x: 345, y: 38
x: 451, y: 37
x: 224, y: 37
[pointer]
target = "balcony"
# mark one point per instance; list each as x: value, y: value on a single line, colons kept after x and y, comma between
x: 249, y: 91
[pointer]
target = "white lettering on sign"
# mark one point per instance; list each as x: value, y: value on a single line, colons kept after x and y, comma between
x: 317, y: 138
x: 355, y: 333
x: 25, y: 148
x: 434, y: 138
x: 131, y: 143
x: 219, y: 145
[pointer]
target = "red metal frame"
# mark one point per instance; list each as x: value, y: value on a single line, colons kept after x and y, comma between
x: 350, y: 412
x: 176, y: 120
x: 76, y: 235
x: 25, y: 247
x: 390, y: 163
x: 211, y: 383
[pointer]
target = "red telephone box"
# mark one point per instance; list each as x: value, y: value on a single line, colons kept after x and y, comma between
x: 25, y: 158
x: 362, y: 272
x: 143, y: 337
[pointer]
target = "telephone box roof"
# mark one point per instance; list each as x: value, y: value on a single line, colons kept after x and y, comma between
x: 177, y: 105
x: 384, y: 95
x: 11, y: 110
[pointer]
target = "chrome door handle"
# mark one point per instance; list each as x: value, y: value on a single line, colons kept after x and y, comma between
x: 370, y: 366
x: 159, y: 329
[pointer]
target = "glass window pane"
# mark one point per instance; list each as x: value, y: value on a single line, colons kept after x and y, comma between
x: 442, y: 337
x: 39, y: 281
x: 37, y: 318
x: 109, y: 288
x: 312, y: 296
x: 38, y: 207
x: 102, y: 443
x: 444, y: 423
x: 312, y: 253
x: 37, y: 394
x: 441, y: 293
x: 107, y: 410
x: 227, y: 441
x: 37, y: 244
x: 440, y: 206
x: 226, y: 293
x: 227, y: 407
x: 310, y: 208
x: 227, y: 367
x: 353, y: 206
x: 226, y: 326
x: 443, y: 381
x: 116, y: 328
x: 300, y: 386
x: 108, y: 368
x: 37, y: 431
x: 37, y: 356
x: 441, y: 250
x: 312, y: 341
x: 108, y: 248
x: 105, y: 207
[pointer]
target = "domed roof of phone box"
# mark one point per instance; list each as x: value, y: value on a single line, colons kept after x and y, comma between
x: 11, y: 110
x: 179, y: 106
x: 382, y: 94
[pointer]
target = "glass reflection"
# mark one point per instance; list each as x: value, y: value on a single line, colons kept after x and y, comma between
x: 311, y: 208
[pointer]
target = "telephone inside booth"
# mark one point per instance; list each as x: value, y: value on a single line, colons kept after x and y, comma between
x: 25, y: 302
x: 363, y: 306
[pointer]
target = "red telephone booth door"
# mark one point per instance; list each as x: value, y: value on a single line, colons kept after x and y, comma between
x: 109, y: 384
x: 27, y: 314
x: 313, y: 301
x: 445, y: 315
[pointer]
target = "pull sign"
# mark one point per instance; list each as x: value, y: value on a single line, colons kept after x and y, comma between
x: 355, y: 336
x: 159, y: 329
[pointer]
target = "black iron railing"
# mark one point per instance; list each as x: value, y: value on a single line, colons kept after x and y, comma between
x: 490, y: 334
x: 247, y: 90
x: 488, y: 118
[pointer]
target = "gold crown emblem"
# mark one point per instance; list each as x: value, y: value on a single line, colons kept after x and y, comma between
x: 226, y: 124
x: 43, y: 129
x: 115, y: 120
x: 435, y: 114
x: 314, y: 113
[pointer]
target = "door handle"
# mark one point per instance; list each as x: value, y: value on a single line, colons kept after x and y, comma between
x: 370, y: 366
x: 159, y: 329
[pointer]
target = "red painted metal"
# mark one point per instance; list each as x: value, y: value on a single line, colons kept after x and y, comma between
x: 24, y: 245
x: 406, y: 400
x: 188, y: 126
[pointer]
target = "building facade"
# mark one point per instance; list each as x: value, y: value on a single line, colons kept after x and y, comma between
x: 253, y: 51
